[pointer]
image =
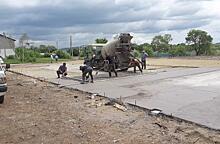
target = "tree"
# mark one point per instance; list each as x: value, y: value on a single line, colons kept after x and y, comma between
x: 147, y: 48
x: 161, y: 43
x: 200, y: 41
x: 178, y: 50
x: 23, y: 41
x: 46, y: 48
x: 101, y: 40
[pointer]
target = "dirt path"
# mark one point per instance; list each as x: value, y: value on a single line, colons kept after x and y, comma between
x: 36, y: 112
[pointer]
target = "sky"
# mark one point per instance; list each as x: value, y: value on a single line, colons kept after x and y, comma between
x: 51, y: 21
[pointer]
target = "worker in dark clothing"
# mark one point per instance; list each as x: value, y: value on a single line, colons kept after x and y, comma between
x: 135, y: 63
x: 143, y: 59
x: 62, y: 71
x: 86, y: 70
x: 111, y: 66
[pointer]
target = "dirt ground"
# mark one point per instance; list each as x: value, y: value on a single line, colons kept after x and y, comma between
x: 37, y: 112
x: 186, y: 61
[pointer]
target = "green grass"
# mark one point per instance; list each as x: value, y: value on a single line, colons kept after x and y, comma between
x: 38, y: 60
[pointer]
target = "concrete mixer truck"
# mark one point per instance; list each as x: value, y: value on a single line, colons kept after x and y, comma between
x: 118, y: 49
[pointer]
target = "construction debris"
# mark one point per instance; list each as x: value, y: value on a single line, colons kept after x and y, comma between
x: 155, y: 111
x: 120, y: 107
x: 160, y: 125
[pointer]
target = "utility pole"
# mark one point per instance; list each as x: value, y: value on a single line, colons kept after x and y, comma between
x: 71, y: 44
x: 57, y: 44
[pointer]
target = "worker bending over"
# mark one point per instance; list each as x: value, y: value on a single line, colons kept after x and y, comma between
x: 62, y: 71
x: 86, y: 70
x: 135, y: 63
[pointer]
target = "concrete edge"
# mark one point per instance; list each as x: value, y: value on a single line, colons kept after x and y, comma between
x: 166, y: 116
x: 148, y: 111
x: 174, y: 66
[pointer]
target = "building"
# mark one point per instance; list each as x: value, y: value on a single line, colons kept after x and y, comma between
x: 7, y: 46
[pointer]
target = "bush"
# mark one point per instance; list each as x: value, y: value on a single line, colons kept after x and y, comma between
x: 149, y: 50
x: 62, y: 54
x: 11, y: 57
x: 30, y: 59
x: 46, y: 55
x: 136, y: 54
x: 161, y: 54
x: 27, y: 55
x: 33, y: 54
x: 178, y: 51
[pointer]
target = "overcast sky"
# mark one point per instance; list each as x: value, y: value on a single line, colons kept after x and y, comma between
x: 46, y: 21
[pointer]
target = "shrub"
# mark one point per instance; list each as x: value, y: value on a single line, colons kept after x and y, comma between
x: 30, y: 59
x: 11, y: 57
x: 136, y: 54
x: 62, y: 54
x: 178, y: 51
x: 149, y: 50
x: 161, y: 54
x: 27, y: 55
x: 46, y: 55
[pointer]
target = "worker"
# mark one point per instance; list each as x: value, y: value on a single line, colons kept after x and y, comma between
x: 143, y: 59
x: 62, y: 70
x: 51, y: 58
x: 56, y: 58
x: 111, y: 66
x: 135, y: 63
x: 86, y: 69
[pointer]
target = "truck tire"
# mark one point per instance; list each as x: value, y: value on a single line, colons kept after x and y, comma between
x: 1, y: 99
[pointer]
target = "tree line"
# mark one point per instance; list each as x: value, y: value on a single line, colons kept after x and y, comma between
x: 197, y: 42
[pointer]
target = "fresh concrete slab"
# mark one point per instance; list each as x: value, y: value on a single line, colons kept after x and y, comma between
x: 192, y: 94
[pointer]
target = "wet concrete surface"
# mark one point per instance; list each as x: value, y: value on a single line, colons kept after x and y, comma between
x: 189, y: 93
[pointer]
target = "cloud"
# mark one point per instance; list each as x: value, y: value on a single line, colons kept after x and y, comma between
x: 52, y: 20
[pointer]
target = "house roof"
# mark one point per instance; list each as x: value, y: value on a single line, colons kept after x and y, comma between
x: 1, y: 35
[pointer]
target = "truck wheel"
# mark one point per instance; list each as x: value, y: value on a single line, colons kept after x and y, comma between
x: 1, y: 99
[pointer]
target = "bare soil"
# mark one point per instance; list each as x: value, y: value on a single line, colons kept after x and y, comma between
x: 186, y: 61
x: 37, y: 112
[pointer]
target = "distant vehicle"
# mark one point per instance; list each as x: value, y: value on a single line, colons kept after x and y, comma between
x: 3, y: 84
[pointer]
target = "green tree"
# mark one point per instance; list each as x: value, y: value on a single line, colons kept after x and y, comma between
x: 142, y: 47
x: 200, y: 41
x: 62, y: 54
x: 161, y: 43
x: 148, y: 50
x: 101, y: 40
x: 26, y: 55
x: 178, y: 50
x: 46, y: 49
